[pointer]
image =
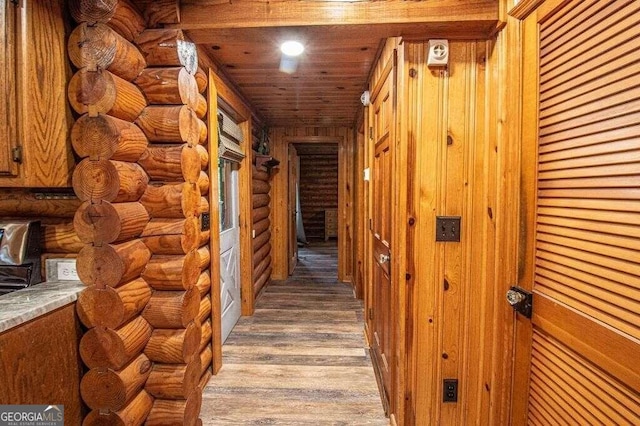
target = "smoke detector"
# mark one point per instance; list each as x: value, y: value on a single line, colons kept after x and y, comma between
x: 438, y: 53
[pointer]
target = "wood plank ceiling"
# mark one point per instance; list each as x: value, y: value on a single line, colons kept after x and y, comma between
x: 341, y: 41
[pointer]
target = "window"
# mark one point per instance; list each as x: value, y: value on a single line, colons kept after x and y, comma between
x: 225, y: 180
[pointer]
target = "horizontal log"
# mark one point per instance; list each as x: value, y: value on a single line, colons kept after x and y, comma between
x: 169, y: 86
x: 108, y: 180
x: 204, y: 283
x: 173, y: 272
x: 260, y: 200
x: 260, y: 187
x: 172, y: 236
x: 168, y: 48
x: 104, y: 223
x: 204, y: 380
x: 107, y: 138
x: 261, y: 239
x: 202, y: 132
x: 261, y: 226
x: 172, y: 200
x: 204, y: 156
x: 204, y: 206
x: 260, y: 213
x: 205, y: 335
x: 60, y: 238
x: 205, y: 236
x: 205, y: 359
x: 111, y: 307
x: 260, y: 267
x: 169, y: 124
x: 109, y: 348
x: 99, y: 46
x: 110, y: 265
x: 262, y: 281
x: 203, y: 183
x: 264, y: 251
x: 159, y: 12
x: 120, y: 15
x: 205, y: 257
x: 133, y: 414
x: 201, y: 107
x: 172, y: 309
x: 101, y: 92
x: 204, y: 312
x: 171, y: 163
x: 259, y: 174
x: 110, y: 390
x: 173, y: 381
x: 176, y: 411
x: 174, y: 346
x: 202, y: 79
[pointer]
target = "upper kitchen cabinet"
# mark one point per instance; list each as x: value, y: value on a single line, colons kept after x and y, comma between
x: 34, y: 117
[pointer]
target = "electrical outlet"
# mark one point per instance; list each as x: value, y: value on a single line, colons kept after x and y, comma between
x: 450, y: 390
x: 67, y: 271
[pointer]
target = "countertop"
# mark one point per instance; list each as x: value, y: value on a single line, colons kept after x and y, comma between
x: 24, y: 305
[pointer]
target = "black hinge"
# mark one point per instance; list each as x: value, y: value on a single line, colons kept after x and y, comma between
x: 370, y: 132
x: 15, y: 2
x: 16, y: 154
x: 520, y: 300
x: 370, y: 313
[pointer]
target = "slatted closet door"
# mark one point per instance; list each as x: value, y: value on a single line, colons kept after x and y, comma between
x: 586, y: 325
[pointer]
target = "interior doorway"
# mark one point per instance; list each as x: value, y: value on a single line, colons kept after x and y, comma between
x: 313, y: 185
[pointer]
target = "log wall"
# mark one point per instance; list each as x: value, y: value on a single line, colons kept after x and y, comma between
x: 142, y: 182
x: 261, y: 225
x: 318, y: 190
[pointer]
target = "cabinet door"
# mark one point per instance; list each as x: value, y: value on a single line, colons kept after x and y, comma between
x: 7, y: 89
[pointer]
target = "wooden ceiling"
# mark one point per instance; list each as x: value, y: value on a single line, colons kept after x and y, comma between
x: 341, y: 41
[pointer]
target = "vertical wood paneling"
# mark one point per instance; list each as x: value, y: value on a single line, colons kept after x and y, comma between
x: 461, y: 328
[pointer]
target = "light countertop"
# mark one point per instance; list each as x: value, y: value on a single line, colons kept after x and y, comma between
x: 27, y: 304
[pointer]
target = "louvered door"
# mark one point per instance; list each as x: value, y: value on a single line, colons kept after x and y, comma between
x: 582, y: 83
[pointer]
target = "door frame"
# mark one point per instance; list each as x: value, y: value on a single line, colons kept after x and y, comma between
x: 232, y: 104
x: 292, y: 207
x: 345, y: 202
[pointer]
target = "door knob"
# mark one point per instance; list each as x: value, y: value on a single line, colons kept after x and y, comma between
x: 384, y: 258
x: 520, y: 300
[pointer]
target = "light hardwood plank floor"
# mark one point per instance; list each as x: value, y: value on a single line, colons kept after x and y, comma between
x: 301, y: 359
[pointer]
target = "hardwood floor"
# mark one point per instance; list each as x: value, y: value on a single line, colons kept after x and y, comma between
x: 301, y: 359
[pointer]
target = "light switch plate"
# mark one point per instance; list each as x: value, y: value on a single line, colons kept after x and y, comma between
x: 67, y: 271
x: 366, y: 174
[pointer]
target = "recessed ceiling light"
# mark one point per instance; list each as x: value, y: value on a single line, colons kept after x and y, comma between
x: 292, y: 48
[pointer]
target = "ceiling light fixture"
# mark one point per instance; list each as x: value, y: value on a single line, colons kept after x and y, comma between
x: 292, y: 48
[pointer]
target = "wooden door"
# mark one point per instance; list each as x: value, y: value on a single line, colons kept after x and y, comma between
x: 230, y: 302
x: 382, y: 321
x: 578, y: 363
x: 294, y: 182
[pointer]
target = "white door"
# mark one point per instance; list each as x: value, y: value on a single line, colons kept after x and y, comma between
x: 230, y: 302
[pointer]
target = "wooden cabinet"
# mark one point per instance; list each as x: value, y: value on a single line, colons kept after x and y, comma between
x: 34, y: 117
x: 330, y: 224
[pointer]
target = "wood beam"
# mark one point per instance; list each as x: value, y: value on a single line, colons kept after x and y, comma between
x: 207, y: 14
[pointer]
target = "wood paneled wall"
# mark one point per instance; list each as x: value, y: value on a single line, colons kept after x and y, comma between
x: 457, y: 154
x: 318, y: 190
x: 281, y: 137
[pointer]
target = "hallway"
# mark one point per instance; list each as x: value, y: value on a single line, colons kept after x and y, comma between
x: 301, y: 359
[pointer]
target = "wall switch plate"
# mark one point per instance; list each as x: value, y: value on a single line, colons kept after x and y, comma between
x: 450, y: 390
x: 448, y: 228
x: 66, y: 271
x: 366, y: 174
x: 253, y: 233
